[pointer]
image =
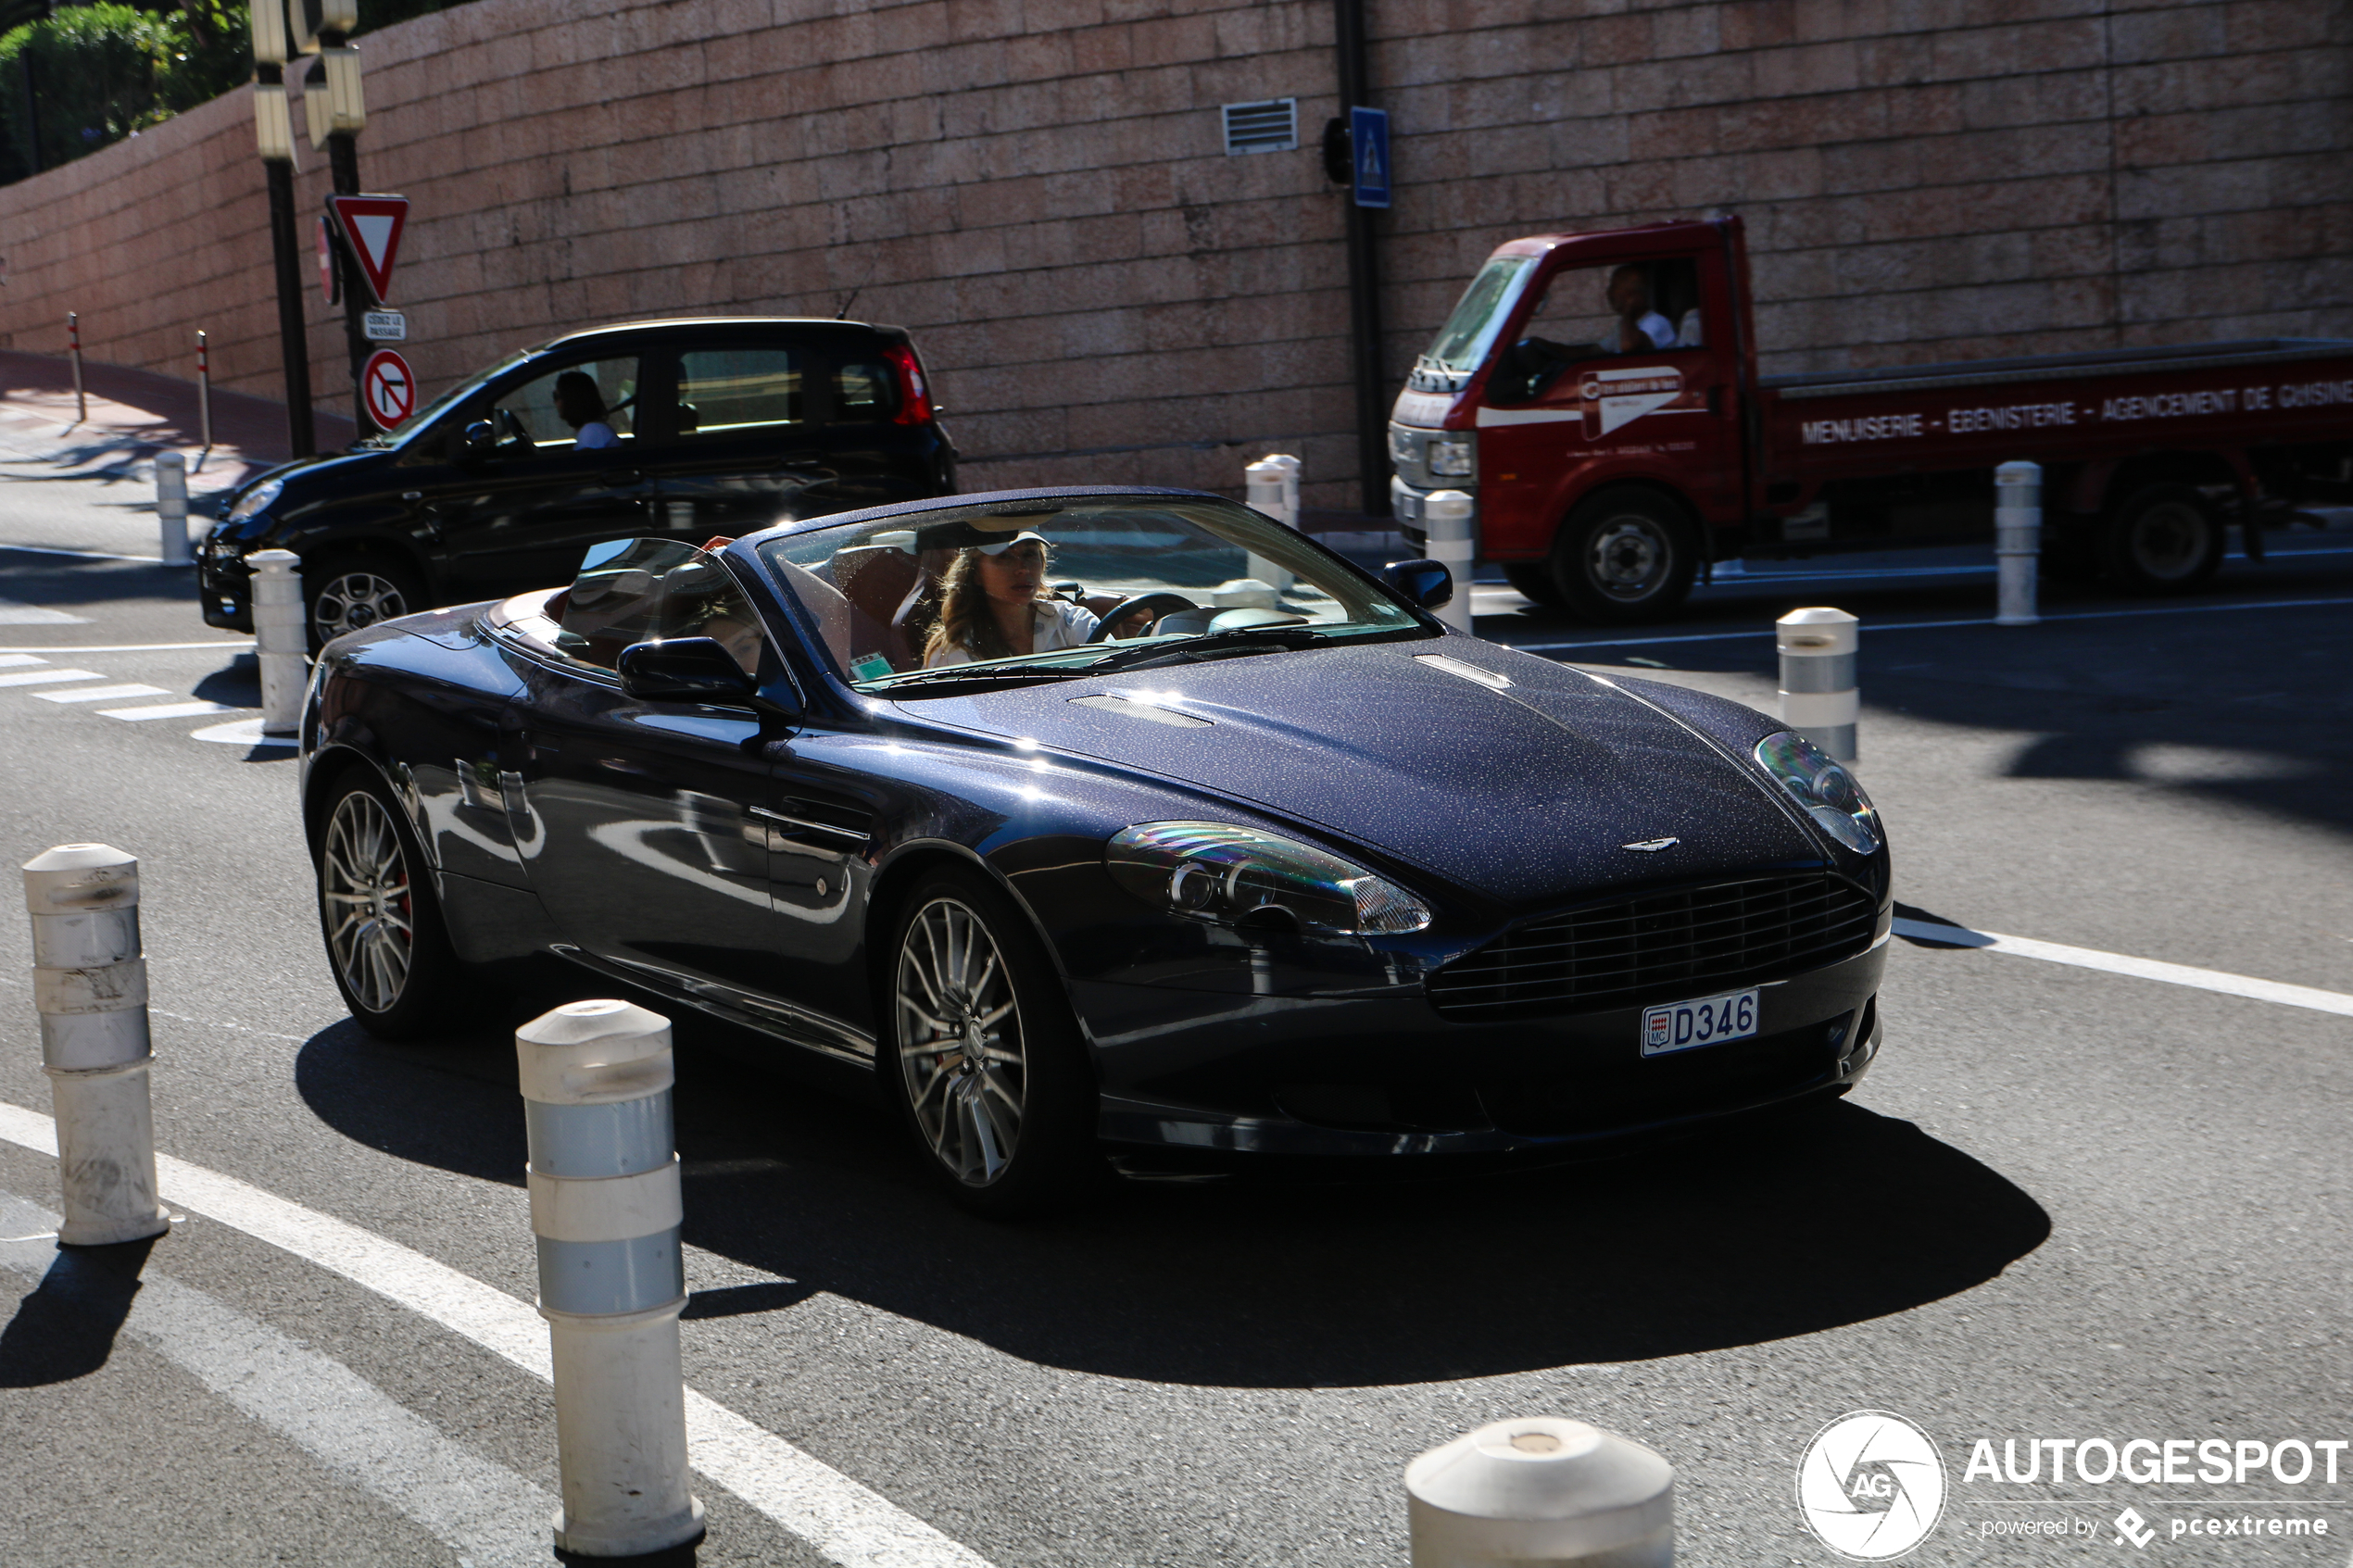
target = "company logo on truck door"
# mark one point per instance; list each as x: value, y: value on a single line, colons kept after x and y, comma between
x: 1620, y: 398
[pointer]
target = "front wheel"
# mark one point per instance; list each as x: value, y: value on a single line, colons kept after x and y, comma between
x: 351, y: 592
x: 982, y: 1058
x: 385, y: 943
x: 2164, y: 539
x: 1624, y: 555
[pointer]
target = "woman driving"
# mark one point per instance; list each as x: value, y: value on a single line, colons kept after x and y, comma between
x: 993, y: 605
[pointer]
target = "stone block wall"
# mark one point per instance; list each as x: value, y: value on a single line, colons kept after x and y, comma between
x: 1037, y: 188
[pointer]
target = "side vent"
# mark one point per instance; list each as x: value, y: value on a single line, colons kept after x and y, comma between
x: 1270, y: 125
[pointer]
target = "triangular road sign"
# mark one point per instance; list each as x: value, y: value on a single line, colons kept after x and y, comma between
x: 371, y: 227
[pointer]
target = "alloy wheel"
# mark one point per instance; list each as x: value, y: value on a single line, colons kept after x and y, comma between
x: 1628, y: 557
x: 352, y: 600
x: 363, y: 881
x: 960, y: 1042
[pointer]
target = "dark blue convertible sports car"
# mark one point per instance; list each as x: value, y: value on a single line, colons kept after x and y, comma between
x: 1104, y: 822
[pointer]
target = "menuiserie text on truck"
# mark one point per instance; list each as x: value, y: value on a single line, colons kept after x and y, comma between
x: 1597, y: 395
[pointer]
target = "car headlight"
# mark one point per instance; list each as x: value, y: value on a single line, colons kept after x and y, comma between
x: 1222, y: 873
x: 1823, y: 789
x: 255, y: 498
x: 1451, y: 457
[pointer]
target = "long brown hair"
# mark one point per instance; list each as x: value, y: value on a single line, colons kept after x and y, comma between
x: 965, y: 619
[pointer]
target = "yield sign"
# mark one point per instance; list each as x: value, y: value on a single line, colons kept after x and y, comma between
x: 372, y: 228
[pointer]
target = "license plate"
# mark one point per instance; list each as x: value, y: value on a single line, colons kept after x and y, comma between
x: 1705, y: 1020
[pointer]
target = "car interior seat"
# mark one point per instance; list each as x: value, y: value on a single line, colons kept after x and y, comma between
x: 877, y: 579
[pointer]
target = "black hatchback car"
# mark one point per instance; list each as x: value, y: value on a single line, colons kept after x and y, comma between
x: 684, y: 429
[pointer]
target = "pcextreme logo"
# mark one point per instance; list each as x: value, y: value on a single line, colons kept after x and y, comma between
x: 1871, y: 1485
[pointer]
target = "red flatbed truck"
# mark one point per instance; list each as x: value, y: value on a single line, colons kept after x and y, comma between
x: 1597, y: 395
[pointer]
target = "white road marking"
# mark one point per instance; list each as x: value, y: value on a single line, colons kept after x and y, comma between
x: 1763, y: 634
x: 99, y: 694
x: 12, y: 613
x: 241, y: 732
x: 166, y: 710
x: 129, y: 647
x: 480, y: 1508
x: 48, y: 677
x: 2120, y: 963
x: 851, y: 1523
x: 18, y: 660
x: 79, y: 554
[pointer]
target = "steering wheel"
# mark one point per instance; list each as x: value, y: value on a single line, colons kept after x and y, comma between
x: 510, y: 430
x: 1160, y: 604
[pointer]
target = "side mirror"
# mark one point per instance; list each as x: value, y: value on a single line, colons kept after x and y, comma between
x: 1425, y: 584
x: 686, y: 669
x: 476, y: 442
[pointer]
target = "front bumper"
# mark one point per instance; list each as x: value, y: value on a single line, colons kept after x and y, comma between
x: 1244, y: 1080
x: 224, y: 589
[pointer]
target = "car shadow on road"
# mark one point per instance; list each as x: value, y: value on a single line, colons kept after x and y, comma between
x: 1752, y: 1236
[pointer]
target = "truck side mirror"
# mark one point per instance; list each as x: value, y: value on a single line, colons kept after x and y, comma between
x: 1425, y: 584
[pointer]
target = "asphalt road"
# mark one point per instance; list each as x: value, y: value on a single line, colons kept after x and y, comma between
x: 2066, y: 1204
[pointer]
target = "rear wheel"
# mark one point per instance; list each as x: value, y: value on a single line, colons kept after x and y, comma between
x: 1624, y: 555
x: 386, y: 942
x: 2164, y: 539
x: 983, y: 1059
x: 1534, y: 580
x: 350, y: 593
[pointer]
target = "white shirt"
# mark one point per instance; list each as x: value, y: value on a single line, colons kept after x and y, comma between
x: 1658, y: 328
x: 595, y: 436
x: 1058, y: 624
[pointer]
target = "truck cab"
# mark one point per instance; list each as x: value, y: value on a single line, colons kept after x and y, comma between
x: 1590, y: 383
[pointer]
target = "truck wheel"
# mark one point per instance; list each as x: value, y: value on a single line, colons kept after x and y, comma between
x: 1534, y: 580
x: 1623, y: 555
x: 2164, y: 539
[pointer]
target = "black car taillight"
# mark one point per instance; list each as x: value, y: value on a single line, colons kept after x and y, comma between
x: 914, y: 396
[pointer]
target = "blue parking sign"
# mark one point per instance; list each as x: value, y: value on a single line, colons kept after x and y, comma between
x: 1368, y: 143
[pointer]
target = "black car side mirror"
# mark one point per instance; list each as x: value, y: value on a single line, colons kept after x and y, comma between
x: 476, y: 442
x: 1425, y: 584
x: 687, y: 670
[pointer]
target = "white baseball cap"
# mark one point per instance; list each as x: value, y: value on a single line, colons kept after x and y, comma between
x: 1025, y: 536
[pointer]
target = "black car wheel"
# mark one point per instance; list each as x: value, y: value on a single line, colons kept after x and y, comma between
x: 385, y: 943
x: 2164, y: 539
x: 982, y: 1056
x: 1623, y: 555
x: 344, y: 593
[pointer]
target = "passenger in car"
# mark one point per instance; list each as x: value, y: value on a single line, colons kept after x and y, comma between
x: 993, y: 603
x: 581, y: 405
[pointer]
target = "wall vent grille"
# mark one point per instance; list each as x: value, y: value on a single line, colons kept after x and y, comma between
x: 1270, y: 125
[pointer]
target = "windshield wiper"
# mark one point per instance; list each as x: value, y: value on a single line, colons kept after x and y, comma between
x: 955, y: 674
x: 1236, y: 639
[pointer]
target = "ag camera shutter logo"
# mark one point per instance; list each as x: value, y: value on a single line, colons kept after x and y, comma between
x: 1871, y: 1485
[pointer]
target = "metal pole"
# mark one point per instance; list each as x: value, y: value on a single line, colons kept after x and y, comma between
x: 2018, y: 541
x: 73, y: 343
x: 89, y: 985
x: 293, y: 348
x: 605, y: 1209
x: 204, y: 389
x: 1364, y: 279
x: 343, y: 163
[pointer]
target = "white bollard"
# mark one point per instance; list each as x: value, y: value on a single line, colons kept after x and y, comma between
x: 171, y: 508
x: 1291, y: 467
x: 1447, y: 515
x: 1271, y: 488
x: 280, y: 638
x: 1541, y: 1493
x: 91, y: 986
x: 605, y: 1206
x: 1819, y: 695
x: 2018, y: 540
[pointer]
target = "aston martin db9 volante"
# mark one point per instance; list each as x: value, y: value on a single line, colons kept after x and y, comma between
x: 1105, y: 823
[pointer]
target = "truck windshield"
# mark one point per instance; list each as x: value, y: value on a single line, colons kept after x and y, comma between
x: 1462, y: 342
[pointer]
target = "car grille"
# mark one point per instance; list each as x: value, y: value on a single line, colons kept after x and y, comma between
x: 1659, y: 945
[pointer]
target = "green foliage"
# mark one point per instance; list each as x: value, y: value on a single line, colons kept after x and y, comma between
x: 89, y: 75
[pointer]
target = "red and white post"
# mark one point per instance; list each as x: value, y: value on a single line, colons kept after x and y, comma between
x: 73, y: 346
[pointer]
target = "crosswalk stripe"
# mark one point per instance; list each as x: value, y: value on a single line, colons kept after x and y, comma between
x: 166, y: 710
x: 48, y: 677
x: 99, y: 694
x: 18, y: 660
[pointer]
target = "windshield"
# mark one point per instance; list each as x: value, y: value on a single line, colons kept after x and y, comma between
x: 1462, y: 342
x: 1041, y: 589
x: 424, y: 418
